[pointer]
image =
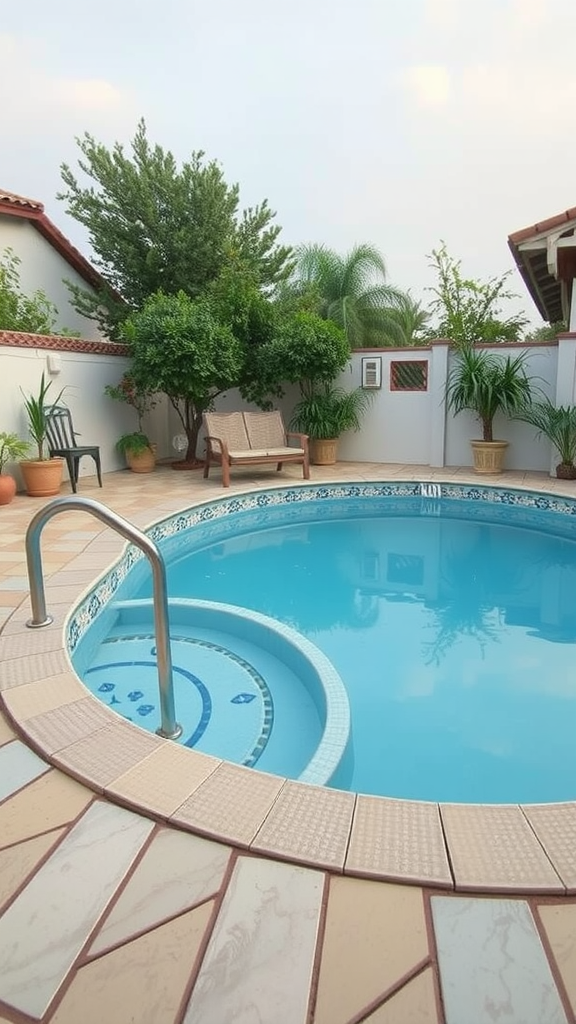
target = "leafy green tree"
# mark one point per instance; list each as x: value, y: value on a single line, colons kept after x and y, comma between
x: 468, y: 310
x: 179, y: 348
x: 32, y: 314
x: 547, y: 332
x: 350, y: 290
x: 407, y: 322
x: 157, y: 226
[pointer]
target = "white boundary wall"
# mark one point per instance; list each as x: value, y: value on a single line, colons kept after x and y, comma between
x: 405, y: 427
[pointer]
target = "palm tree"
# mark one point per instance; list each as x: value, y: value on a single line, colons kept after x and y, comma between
x: 407, y: 322
x: 350, y: 290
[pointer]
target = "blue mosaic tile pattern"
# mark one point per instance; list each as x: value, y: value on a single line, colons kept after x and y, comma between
x: 143, y: 710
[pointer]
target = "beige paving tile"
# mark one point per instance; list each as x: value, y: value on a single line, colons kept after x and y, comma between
x: 19, y: 671
x: 560, y: 926
x: 23, y: 613
x: 378, y: 931
x: 143, y: 981
x: 308, y: 823
x: 49, y: 802
x: 6, y: 731
x: 106, y: 754
x: 33, y: 641
x: 494, y: 848
x: 415, y: 1003
x: 258, y: 963
x: 24, y: 702
x: 176, y: 872
x: 17, y: 862
x: 555, y: 826
x: 398, y: 839
x: 231, y: 804
x: 165, y: 779
x: 61, y: 726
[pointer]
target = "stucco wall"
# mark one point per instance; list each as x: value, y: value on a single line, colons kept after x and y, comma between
x: 42, y: 267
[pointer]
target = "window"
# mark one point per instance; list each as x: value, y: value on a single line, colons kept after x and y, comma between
x: 409, y: 376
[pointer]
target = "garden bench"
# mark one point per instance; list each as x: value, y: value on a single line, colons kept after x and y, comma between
x: 247, y: 438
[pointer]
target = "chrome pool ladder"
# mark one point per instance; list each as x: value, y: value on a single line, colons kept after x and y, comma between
x: 169, y: 727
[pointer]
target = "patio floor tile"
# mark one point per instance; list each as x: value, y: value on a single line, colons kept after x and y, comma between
x: 258, y: 964
x: 141, y: 982
x: 26, y: 702
x: 17, y: 862
x: 415, y: 1003
x: 71, y: 888
x: 7, y: 733
x: 375, y: 934
x: 555, y: 826
x: 560, y: 927
x: 176, y: 872
x: 64, y: 725
x: 18, y: 766
x: 50, y: 801
x: 492, y: 964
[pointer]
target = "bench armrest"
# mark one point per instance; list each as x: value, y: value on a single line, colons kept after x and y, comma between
x: 301, y: 438
x: 223, y: 445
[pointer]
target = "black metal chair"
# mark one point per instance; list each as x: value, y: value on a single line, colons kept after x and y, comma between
x: 62, y: 442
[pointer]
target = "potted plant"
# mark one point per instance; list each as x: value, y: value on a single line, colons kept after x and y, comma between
x: 11, y: 449
x: 558, y: 424
x: 137, y: 449
x: 325, y: 413
x: 42, y: 475
x: 486, y: 384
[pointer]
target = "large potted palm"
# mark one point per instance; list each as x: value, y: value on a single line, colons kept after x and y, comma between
x: 325, y: 414
x: 486, y: 384
x: 558, y: 424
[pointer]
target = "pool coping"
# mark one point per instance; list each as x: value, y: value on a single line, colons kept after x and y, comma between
x: 476, y: 848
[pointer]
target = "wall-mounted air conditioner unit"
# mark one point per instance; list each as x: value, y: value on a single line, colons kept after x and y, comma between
x: 372, y: 372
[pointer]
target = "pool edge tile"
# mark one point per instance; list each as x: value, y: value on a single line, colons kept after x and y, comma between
x: 308, y: 824
x: 164, y: 780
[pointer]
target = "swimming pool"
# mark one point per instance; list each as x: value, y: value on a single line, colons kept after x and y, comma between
x: 457, y: 612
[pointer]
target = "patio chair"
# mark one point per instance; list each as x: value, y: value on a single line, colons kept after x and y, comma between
x: 62, y: 442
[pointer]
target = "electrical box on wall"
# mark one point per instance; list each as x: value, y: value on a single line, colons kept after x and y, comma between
x: 372, y: 372
x: 54, y: 363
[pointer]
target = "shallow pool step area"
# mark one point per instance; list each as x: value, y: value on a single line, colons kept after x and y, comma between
x: 242, y: 691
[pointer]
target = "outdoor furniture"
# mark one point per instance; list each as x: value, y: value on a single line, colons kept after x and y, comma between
x: 247, y: 438
x: 62, y: 442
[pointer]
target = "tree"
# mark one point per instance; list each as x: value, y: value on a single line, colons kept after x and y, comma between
x: 468, y: 310
x: 31, y: 314
x: 547, y: 332
x: 157, y: 226
x: 407, y: 322
x: 178, y: 347
x: 351, y: 290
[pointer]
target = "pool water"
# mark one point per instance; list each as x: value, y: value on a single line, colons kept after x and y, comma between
x: 455, y: 638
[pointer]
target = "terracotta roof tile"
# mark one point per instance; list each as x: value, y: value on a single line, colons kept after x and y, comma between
x: 15, y: 200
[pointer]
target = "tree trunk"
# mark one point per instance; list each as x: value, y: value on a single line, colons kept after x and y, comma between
x: 193, y: 419
x: 487, y: 430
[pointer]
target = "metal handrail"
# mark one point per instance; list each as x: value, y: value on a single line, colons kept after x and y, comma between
x: 169, y: 727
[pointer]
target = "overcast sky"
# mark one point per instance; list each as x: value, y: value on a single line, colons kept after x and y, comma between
x: 398, y: 122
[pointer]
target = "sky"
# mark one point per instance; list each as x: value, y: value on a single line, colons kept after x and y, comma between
x: 395, y: 123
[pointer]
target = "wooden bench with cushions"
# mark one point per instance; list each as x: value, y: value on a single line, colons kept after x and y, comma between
x: 247, y: 438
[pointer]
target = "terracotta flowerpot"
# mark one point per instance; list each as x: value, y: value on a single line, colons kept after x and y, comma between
x: 7, y: 488
x: 42, y: 478
x: 489, y: 456
x: 566, y: 471
x: 323, y: 452
x: 142, y: 462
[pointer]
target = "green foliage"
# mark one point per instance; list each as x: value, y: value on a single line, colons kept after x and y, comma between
x: 304, y: 350
x: 547, y: 332
x: 178, y: 347
x: 557, y: 423
x: 468, y: 310
x: 11, y: 448
x: 33, y: 314
x: 350, y: 290
x: 126, y: 390
x: 135, y: 443
x: 407, y: 322
x: 37, y: 411
x: 486, y: 384
x: 157, y: 226
x: 329, y: 411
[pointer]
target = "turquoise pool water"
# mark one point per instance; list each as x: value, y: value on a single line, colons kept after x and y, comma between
x: 452, y: 625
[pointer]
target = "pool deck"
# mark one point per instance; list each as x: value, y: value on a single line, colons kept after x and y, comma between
x: 141, y: 882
